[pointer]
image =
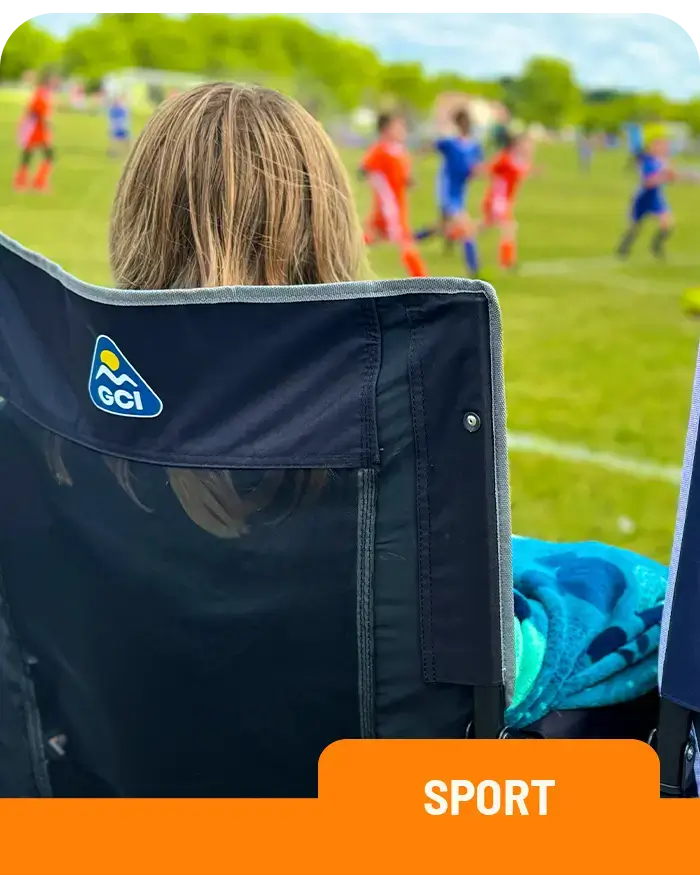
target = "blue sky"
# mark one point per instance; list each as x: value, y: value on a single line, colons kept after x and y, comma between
x: 631, y: 51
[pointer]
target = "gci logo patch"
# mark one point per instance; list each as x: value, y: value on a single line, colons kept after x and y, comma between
x: 117, y: 387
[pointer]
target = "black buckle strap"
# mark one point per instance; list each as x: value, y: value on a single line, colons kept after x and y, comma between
x: 489, y: 713
x: 490, y: 717
x: 674, y: 747
x: 522, y: 734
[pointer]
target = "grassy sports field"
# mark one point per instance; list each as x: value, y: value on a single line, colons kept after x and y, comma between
x: 599, y: 357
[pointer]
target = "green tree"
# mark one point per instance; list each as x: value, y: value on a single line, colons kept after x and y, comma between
x: 218, y: 52
x: 282, y: 52
x: 326, y: 72
x: 610, y: 111
x: 443, y: 82
x: 136, y: 39
x: 546, y: 93
x: 28, y: 48
x: 98, y: 48
x: 691, y: 116
x: 158, y: 41
x: 323, y: 69
x: 653, y: 107
x: 405, y: 83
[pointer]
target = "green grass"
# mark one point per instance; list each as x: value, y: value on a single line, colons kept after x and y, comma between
x: 598, y: 355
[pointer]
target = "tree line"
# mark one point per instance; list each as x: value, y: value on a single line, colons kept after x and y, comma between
x: 330, y: 72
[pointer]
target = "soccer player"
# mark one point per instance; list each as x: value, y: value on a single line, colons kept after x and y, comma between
x: 506, y: 171
x: 119, y: 126
x: 35, y: 135
x: 635, y: 143
x: 650, y: 200
x: 500, y: 128
x: 462, y: 158
x: 584, y: 144
x: 387, y: 167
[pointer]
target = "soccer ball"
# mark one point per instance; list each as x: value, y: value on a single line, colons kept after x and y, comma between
x: 691, y: 303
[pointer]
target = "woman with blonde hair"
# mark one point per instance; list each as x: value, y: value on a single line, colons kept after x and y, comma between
x: 230, y: 185
x: 233, y: 185
x: 197, y: 562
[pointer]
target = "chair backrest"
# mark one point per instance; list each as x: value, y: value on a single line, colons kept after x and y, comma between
x: 679, y: 650
x: 351, y: 578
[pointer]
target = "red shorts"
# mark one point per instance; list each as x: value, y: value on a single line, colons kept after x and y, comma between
x: 34, y: 136
x: 497, y: 209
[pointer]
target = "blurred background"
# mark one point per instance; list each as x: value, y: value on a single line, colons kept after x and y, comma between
x: 599, y: 353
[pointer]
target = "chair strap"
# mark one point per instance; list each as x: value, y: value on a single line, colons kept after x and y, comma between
x: 489, y: 712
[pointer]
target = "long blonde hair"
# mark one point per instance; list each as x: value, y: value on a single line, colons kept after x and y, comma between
x: 233, y: 185
x: 230, y: 185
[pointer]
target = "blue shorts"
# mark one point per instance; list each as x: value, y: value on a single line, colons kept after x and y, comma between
x: 451, y: 197
x: 119, y: 134
x: 650, y: 202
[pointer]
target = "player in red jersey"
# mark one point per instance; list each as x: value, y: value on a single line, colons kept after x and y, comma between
x: 387, y: 166
x: 506, y: 171
x: 35, y: 135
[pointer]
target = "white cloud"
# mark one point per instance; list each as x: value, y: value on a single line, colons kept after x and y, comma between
x: 646, y: 51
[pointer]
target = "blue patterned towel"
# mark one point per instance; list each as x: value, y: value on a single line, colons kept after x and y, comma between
x: 588, y: 621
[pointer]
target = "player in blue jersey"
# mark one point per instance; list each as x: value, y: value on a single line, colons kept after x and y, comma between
x: 650, y: 198
x: 119, y: 126
x: 462, y: 158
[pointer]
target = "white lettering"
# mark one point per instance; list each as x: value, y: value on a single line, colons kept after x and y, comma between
x: 462, y: 791
x: 105, y: 395
x: 430, y: 789
x: 516, y: 791
x: 481, y: 804
x: 124, y: 399
x: 542, y: 786
x: 489, y: 797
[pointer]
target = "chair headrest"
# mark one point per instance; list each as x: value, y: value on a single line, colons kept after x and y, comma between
x: 244, y: 377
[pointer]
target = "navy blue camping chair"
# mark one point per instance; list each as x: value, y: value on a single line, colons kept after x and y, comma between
x: 360, y: 431
x: 352, y: 579
x: 679, y: 656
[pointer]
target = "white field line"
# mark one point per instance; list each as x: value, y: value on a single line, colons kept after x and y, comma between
x: 620, y: 282
x: 542, y: 446
x: 581, y: 270
x: 564, y: 266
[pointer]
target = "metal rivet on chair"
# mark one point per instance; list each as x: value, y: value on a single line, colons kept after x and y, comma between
x: 57, y: 745
x: 472, y: 422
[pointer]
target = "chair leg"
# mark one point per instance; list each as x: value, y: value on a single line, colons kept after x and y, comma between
x: 675, y: 748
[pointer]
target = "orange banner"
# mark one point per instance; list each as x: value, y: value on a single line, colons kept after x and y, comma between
x: 385, y: 807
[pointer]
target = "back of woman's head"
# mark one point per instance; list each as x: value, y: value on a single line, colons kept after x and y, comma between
x: 233, y: 185
x: 230, y: 185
